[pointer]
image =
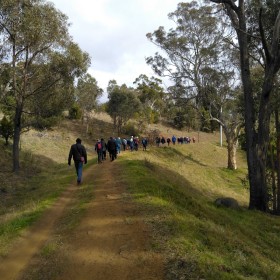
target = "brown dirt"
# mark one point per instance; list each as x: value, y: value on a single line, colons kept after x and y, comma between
x: 110, y: 242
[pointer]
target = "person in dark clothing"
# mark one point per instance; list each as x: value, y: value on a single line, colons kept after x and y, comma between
x: 124, y: 143
x: 98, y: 148
x: 144, y: 143
x: 158, y: 141
x: 136, y: 143
x: 79, y: 154
x: 112, y: 148
x: 104, y: 149
x: 168, y: 141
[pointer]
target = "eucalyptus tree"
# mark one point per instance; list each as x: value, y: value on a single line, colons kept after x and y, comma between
x: 122, y: 105
x: 196, y: 60
x: 39, y: 62
x: 192, y: 46
x: 151, y: 94
x: 223, y: 96
x: 87, y: 93
x: 256, y: 123
x: 181, y: 110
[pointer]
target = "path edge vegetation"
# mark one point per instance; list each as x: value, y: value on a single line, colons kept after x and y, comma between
x: 197, y: 238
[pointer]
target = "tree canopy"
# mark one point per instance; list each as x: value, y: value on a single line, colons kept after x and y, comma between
x: 258, y: 42
x: 39, y: 63
x: 122, y: 105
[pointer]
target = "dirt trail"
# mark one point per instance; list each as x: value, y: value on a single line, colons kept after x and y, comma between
x: 111, y: 242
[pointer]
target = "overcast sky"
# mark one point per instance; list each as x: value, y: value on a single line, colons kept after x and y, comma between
x: 113, y: 32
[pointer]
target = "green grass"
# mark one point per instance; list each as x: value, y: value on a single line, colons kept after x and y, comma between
x: 76, y: 210
x: 26, y: 195
x: 202, y: 240
x: 175, y: 188
x: 44, y: 174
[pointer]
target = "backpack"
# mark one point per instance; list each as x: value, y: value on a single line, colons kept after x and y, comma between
x: 99, y: 146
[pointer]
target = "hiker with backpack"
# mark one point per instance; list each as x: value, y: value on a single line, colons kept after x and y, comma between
x: 79, y: 154
x: 98, y: 149
x: 112, y: 148
x: 104, y: 149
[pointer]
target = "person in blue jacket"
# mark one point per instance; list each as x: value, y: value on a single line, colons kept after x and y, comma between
x: 174, y: 139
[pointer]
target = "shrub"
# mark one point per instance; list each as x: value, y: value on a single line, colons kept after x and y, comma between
x: 75, y: 112
x: 130, y: 129
x: 6, y: 129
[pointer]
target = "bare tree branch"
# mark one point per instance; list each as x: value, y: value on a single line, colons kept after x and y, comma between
x: 263, y: 39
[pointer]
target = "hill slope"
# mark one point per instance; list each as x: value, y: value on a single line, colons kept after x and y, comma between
x: 174, y: 189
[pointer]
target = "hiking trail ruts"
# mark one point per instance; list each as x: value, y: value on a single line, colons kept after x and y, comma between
x: 111, y: 241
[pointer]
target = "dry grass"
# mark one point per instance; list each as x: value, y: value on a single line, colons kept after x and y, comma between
x: 182, y: 182
x: 203, y: 165
x: 45, y: 153
x: 54, y: 144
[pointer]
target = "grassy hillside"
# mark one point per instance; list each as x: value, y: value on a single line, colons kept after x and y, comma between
x: 175, y: 188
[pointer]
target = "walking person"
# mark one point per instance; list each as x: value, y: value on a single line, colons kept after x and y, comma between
x: 168, y: 141
x: 79, y: 154
x: 144, y: 143
x: 174, y: 139
x: 104, y: 149
x: 157, y: 141
x: 112, y: 148
x: 136, y: 143
x: 118, y: 143
x: 124, y: 143
x: 131, y: 144
x: 98, y: 149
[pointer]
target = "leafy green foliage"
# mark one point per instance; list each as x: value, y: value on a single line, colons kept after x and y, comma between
x: 152, y: 96
x: 41, y: 63
x: 6, y: 129
x: 87, y: 93
x: 130, y: 129
x: 75, y: 112
x: 202, y: 68
x: 122, y: 105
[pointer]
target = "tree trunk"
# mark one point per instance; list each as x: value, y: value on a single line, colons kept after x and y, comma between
x: 256, y: 143
x: 261, y: 202
x: 231, y: 134
x: 17, y: 118
x: 277, y: 124
x: 255, y: 195
x: 232, y: 147
x: 16, y: 139
x: 273, y: 179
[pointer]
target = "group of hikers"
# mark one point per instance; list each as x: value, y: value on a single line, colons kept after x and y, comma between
x: 114, y: 146
x: 173, y: 140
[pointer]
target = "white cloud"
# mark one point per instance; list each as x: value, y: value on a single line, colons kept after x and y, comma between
x: 114, y: 34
